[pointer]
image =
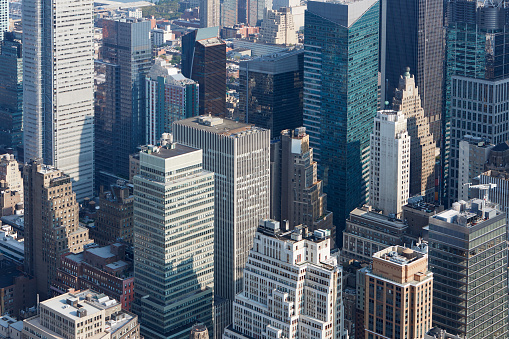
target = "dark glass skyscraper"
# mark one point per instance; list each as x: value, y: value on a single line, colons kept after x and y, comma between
x: 412, y: 36
x: 120, y: 95
x: 340, y: 97
x: 11, y: 92
x: 271, y: 91
x: 476, y: 81
x: 204, y: 61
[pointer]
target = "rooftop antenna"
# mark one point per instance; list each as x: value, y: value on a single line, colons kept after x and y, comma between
x: 482, y: 187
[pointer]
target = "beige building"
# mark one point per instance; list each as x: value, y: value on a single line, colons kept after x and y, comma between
x: 11, y: 186
x: 81, y: 315
x: 422, y: 147
x: 51, y: 223
x: 278, y: 27
x: 398, y: 294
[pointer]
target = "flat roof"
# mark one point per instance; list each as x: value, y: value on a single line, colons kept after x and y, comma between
x: 227, y: 127
x: 59, y: 305
x: 103, y: 252
x: 168, y: 151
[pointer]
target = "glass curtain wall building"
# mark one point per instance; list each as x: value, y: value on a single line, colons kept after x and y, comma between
x: 476, y: 81
x: 340, y: 96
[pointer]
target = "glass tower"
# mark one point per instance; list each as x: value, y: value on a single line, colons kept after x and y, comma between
x: 173, y: 241
x: 468, y: 258
x: 340, y: 96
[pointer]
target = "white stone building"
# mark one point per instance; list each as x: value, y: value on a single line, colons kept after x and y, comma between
x: 389, y: 163
x: 292, y: 287
x: 278, y: 27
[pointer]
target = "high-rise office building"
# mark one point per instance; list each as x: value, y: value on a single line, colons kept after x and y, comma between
x: 278, y: 28
x: 120, y: 102
x: 390, y: 163
x: 301, y: 199
x: 204, y: 61
x: 412, y: 36
x: 251, y: 12
x: 4, y: 17
x: 58, y: 88
x: 170, y: 97
x: 476, y: 80
x: 271, y: 91
x: 239, y: 156
x: 229, y: 12
x: 468, y: 257
x: 340, y: 97
x: 11, y: 186
x: 173, y: 241
x: 398, y: 294
x: 407, y: 99
x: 292, y: 287
x: 11, y: 91
x: 210, y: 11
x: 472, y: 158
x: 51, y: 223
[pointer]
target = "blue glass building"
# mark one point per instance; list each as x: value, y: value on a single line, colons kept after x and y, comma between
x: 340, y: 96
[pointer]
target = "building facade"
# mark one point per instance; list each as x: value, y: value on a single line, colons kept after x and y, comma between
x: 412, y: 36
x: 301, y: 298
x: 340, y: 97
x: 11, y: 90
x: 58, y: 89
x: 170, y: 97
x: 407, y: 99
x: 398, y: 297
x: 120, y: 122
x: 473, y: 155
x: 173, y: 241
x: 278, y: 27
x: 238, y: 154
x: 468, y: 256
x: 271, y: 91
x: 210, y: 11
x: 204, y: 61
x: 51, y: 223
x: 389, y: 163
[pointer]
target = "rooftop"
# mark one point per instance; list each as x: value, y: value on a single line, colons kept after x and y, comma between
x: 418, y: 203
x: 272, y: 228
x: 469, y: 214
x: 387, y: 220
x: 8, y: 271
x: 6, y: 321
x: 168, y: 151
x: 220, y: 126
x: 399, y: 255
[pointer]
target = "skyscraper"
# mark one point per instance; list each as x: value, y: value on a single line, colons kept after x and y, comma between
x: 51, y: 223
x: 407, y: 99
x: 278, y: 28
x: 58, y: 88
x: 173, y: 241
x: 271, y: 91
x: 292, y: 287
x: 204, y: 61
x: 229, y: 12
x: 389, y: 163
x: 11, y: 91
x: 468, y: 257
x: 120, y: 121
x: 398, y: 294
x: 238, y: 154
x: 412, y: 36
x: 4, y: 17
x: 477, y: 77
x: 210, y: 11
x: 169, y: 97
x: 340, y: 96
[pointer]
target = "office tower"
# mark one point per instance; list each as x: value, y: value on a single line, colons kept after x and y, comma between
x: 103, y: 269
x: 475, y: 82
x: 11, y: 91
x: 468, y: 257
x: 11, y: 186
x: 292, y: 287
x: 204, y: 61
x: 296, y: 9
x: 390, y: 163
x: 238, y: 154
x: 398, y: 294
x: 271, y: 91
x: 58, y: 89
x: 472, y: 157
x: 120, y: 104
x: 210, y: 13
x: 412, y: 36
x: 251, y: 12
x: 340, y: 97
x: 81, y: 314
x: 302, y: 201
x: 173, y: 241
x: 170, y: 97
x: 4, y: 17
x: 278, y: 28
x: 51, y: 222
x: 229, y: 12
x: 114, y: 221
x: 407, y: 99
